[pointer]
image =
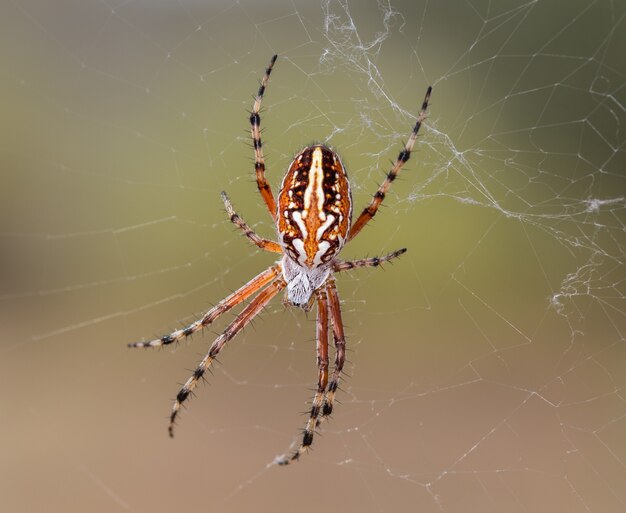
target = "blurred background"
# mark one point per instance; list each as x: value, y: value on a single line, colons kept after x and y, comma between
x: 487, y: 366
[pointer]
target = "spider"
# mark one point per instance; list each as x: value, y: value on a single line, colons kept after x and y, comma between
x: 313, y: 221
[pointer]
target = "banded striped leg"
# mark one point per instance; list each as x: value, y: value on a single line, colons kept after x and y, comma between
x: 250, y: 288
x: 267, y: 245
x: 372, y: 208
x: 340, y: 347
x: 347, y: 265
x: 255, y: 130
x: 246, y: 315
x: 322, y: 380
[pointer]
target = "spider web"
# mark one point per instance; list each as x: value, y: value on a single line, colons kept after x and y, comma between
x: 487, y: 366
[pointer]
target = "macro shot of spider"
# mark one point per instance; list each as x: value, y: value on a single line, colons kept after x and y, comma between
x: 313, y: 223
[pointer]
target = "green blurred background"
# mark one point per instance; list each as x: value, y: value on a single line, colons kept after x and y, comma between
x: 487, y: 366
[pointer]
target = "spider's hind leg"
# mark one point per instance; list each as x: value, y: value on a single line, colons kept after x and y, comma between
x: 370, y: 211
x: 255, y: 132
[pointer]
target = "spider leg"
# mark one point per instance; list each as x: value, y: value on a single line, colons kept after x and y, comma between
x: 322, y: 380
x: 337, y: 322
x: 246, y: 315
x: 346, y: 265
x: 250, y: 288
x: 372, y: 208
x: 267, y: 245
x: 340, y: 347
x: 255, y: 130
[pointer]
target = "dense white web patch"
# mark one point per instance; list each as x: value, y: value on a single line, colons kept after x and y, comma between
x: 487, y: 367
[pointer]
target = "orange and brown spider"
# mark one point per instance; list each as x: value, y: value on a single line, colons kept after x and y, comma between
x: 313, y: 220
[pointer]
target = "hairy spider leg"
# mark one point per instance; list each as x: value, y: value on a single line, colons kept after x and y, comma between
x: 347, y: 265
x: 405, y: 154
x: 322, y: 380
x: 255, y: 130
x: 241, y: 294
x: 247, y: 314
x: 265, y: 244
x: 340, y: 346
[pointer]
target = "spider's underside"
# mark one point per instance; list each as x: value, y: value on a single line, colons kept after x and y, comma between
x: 313, y: 221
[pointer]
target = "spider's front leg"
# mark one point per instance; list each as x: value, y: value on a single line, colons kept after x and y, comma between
x: 322, y: 380
x: 337, y: 322
x: 340, y: 348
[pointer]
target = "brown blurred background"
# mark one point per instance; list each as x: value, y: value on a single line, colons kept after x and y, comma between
x: 487, y: 366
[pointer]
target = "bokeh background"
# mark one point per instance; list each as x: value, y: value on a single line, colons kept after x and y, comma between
x: 487, y: 365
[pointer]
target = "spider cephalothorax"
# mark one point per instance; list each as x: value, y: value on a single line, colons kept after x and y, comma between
x: 313, y: 219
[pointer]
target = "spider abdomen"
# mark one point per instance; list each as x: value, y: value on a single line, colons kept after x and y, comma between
x: 314, y: 207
